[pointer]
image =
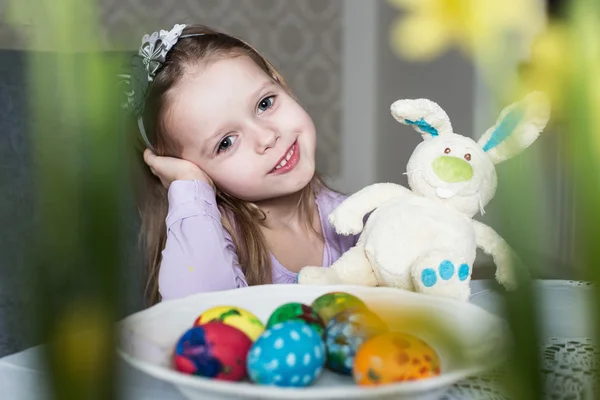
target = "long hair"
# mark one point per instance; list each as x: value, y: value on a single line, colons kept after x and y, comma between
x: 240, y: 218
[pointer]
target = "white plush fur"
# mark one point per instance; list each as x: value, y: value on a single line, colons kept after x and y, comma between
x: 412, y: 231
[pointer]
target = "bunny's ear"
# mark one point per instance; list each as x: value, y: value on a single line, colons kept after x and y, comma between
x: 518, y: 126
x: 425, y: 116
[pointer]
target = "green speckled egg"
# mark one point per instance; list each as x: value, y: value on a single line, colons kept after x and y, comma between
x: 298, y: 312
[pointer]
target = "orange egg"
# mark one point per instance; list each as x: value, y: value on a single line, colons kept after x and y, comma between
x: 394, y: 357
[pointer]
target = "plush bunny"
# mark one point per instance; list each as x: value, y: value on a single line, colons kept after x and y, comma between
x: 425, y: 240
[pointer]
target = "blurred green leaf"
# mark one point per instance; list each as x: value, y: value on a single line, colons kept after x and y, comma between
x: 77, y: 154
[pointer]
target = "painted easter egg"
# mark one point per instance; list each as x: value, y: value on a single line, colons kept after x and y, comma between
x: 290, y: 354
x: 213, y: 350
x: 237, y: 317
x: 394, y: 357
x: 345, y: 333
x: 296, y: 311
x: 332, y: 303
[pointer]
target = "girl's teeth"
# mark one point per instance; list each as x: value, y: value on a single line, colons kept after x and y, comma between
x: 287, y: 158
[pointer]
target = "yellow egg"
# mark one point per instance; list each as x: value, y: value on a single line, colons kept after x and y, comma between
x: 237, y: 317
x: 394, y: 357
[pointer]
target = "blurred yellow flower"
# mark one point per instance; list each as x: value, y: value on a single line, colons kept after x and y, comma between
x: 430, y: 27
x: 565, y: 64
x: 549, y: 66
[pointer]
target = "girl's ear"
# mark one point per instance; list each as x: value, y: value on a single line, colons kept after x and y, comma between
x: 517, y: 127
x: 424, y: 115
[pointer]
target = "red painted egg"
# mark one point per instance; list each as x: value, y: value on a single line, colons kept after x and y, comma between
x: 213, y: 350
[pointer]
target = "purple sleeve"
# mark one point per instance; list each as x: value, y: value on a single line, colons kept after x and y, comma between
x: 199, y: 254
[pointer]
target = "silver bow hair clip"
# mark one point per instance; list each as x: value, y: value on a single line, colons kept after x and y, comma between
x: 143, y: 69
x: 145, y: 65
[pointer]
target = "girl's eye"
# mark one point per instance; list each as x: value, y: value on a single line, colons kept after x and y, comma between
x: 265, y: 104
x: 447, y: 151
x: 468, y: 157
x: 226, y: 143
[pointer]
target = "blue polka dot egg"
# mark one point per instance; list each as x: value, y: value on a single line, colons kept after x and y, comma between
x: 290, y: 354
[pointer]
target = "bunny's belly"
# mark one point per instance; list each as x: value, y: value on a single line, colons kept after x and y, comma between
x: 399, y: 233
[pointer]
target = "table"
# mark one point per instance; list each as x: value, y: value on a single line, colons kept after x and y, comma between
x: 567, y: 350
x: 564, y: 307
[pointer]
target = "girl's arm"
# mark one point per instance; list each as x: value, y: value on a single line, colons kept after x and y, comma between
x: 199, y: 254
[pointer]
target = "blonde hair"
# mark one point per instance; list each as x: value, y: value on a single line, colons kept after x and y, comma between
x: 241, y: 219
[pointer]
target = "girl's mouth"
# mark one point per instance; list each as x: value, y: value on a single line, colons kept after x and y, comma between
x: 288, y: 161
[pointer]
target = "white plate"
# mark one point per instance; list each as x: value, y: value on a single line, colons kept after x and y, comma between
x: 148, y: 337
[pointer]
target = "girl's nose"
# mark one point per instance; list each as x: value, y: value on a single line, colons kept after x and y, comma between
x: 265, y: 139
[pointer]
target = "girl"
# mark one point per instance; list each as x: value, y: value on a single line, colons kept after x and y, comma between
x: 231, y: 197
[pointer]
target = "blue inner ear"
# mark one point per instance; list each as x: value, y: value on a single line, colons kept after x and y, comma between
x: 424, y: 126
x: 505, y: 128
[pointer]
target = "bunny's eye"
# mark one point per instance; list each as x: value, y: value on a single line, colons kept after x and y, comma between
x: 468, y: 157
x: 447, y: 151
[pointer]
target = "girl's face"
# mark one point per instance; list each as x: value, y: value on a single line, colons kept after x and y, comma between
x: 243, y: 130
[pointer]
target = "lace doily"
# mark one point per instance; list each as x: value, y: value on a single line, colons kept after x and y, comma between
x: 569, y: 371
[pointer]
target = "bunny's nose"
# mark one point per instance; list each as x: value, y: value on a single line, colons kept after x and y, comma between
x: 452, y: 169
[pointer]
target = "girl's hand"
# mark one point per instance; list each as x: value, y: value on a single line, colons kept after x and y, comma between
x: 170, y: 169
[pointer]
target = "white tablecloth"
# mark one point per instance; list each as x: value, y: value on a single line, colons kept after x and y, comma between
x: 564, y: 306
